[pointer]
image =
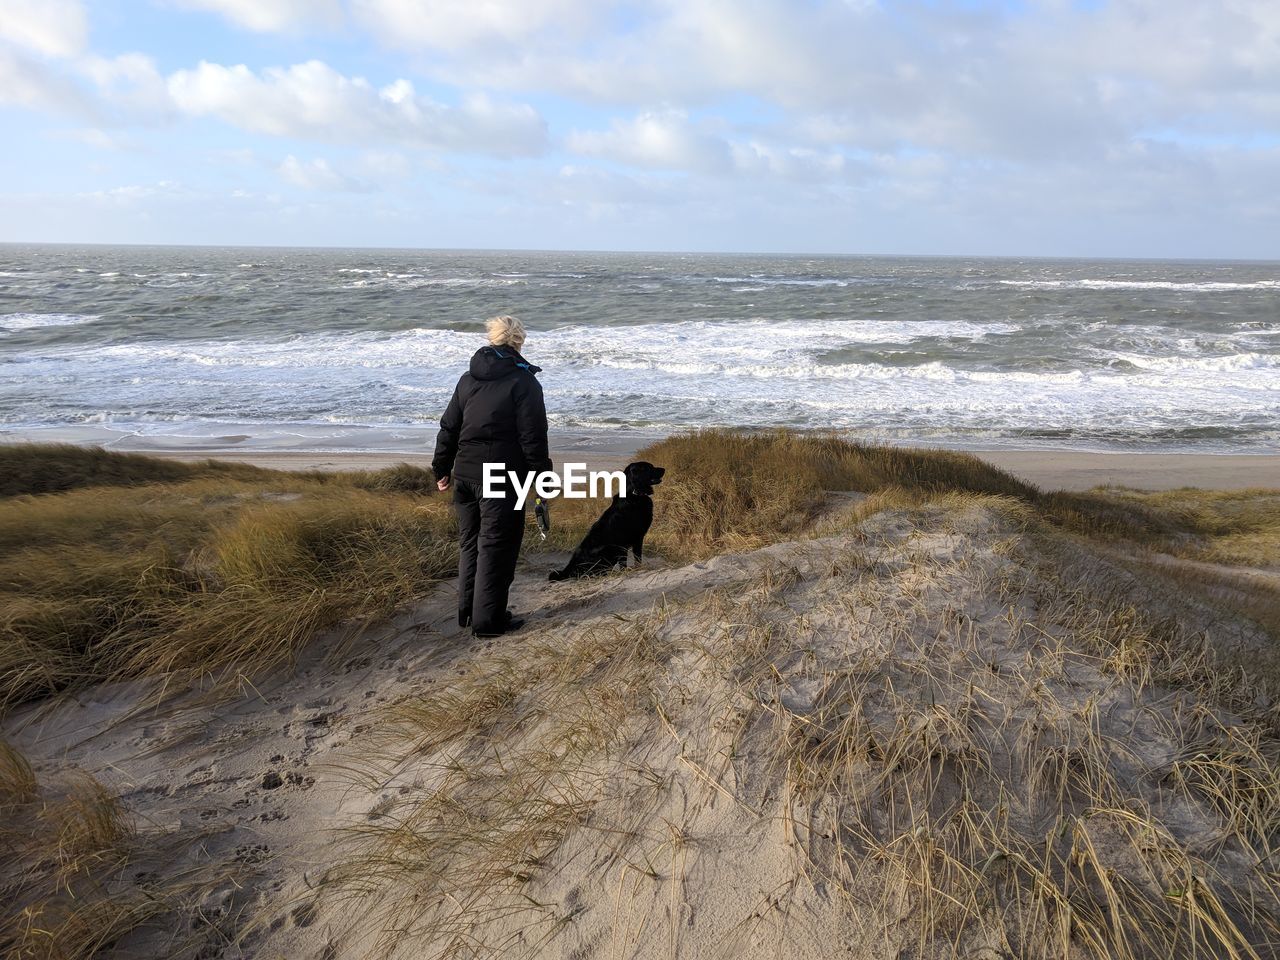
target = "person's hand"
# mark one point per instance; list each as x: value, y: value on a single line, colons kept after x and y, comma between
x: 443, y: 483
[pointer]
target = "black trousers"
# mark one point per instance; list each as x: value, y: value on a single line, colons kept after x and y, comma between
x: 490, y: 531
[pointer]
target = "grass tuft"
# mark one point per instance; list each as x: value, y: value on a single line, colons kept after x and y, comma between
x: 64, y: 846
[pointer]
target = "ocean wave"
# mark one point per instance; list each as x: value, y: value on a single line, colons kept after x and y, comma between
x: 750, y: 348
x: 1190, y: 286
x: 33, y: 321
x: 793, y: 352
x: 1221, y: 364
x: 413, y: 281
x: 787, y: 281
x: 934, y: 370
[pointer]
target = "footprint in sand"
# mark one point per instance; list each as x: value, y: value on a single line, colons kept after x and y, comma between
x: 252, y: 853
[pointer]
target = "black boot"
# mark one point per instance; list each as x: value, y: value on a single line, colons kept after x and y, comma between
x: 513, y: 623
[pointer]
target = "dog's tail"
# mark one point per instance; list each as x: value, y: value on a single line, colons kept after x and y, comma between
x: 558, y: 575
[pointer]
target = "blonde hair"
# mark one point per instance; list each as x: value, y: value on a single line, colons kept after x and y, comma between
x: 505, y: 331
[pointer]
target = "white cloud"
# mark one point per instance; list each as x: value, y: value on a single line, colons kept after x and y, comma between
x: 104, y: 92
x: 27, y: 82
x: 367, y: 172
x: 271, y: 15
x: 384, y: 165
x: 669, y: 140
x: 313, y: 101
x: 135, y: 193
x: 1044, y: 112
x: 318, y: 174
x: 56, y: 28
x: 802, y: 164
x: 93, y: 137
x: 1032, y: 84
x: 452, y: 24
x: 129, y: 87
x: 662, y: 140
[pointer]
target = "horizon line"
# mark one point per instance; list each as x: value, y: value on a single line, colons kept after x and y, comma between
x: 640, y: 252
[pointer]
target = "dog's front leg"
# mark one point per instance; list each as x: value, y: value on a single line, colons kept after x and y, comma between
x: 638, y: 549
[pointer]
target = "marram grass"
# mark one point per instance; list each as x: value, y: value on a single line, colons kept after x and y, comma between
x: 210, y: 576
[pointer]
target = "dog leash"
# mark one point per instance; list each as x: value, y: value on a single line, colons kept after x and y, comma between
x: 542, y: 516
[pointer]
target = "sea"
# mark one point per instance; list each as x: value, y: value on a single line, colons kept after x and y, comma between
x: 328, y: 349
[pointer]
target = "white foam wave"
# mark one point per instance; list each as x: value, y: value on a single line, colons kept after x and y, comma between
x: 786, y: 281
x: 413, y: 281
x: 34, y: 321
x: 795, y: 352
x: 748, y: 348
x: 1174, y: 285
x: 750, y: 372
x: 1221, y: 364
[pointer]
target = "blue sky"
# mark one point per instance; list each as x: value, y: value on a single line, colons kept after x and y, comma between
x: 1039, y: 127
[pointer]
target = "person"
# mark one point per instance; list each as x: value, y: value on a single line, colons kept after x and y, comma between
x: 496, y: 415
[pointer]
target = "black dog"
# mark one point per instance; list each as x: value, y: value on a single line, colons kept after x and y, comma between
x: 621, y: 527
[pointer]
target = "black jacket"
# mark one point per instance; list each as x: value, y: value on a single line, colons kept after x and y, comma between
x: 496, y: 416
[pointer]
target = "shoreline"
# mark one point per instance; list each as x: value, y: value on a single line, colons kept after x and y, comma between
x: 1047, y: 469
x: 313, y: 447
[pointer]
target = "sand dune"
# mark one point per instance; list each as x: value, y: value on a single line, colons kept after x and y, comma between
x: 931, y: 733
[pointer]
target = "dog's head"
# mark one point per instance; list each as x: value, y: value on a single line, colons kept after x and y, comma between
x: 642, y: 477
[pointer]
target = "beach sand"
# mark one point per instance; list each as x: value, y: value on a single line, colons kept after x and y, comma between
x: 1047, y: 469
x: 311, y: 447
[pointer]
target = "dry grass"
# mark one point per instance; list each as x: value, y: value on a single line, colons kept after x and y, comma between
x: 1219, y: 526
x: 728, y: 490
x: 34, y: 468
x: 984, y: 784
x: 211, y: 577
x: 63, y: 845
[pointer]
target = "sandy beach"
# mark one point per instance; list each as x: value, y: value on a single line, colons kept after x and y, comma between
x: 1047, y: 469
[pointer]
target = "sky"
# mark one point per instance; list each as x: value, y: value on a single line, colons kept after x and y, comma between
x: 1111, y: 128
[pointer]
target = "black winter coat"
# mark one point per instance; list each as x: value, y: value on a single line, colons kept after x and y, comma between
x: 497, y: 415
